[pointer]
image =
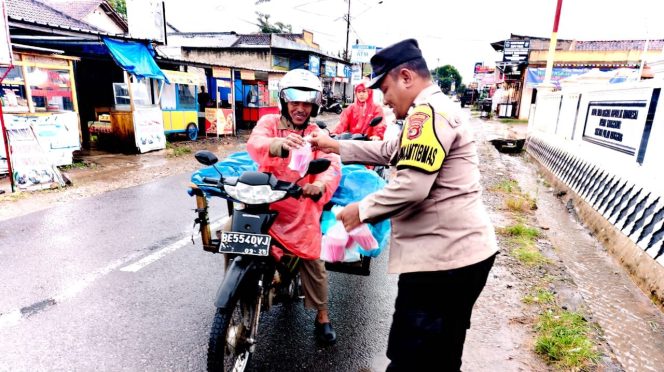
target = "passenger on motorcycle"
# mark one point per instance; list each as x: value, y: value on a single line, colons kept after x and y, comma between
x: 297, y: 227
x: 356, y: 117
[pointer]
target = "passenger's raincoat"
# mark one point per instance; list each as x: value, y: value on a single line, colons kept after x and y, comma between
x: 356, y: 117
x: 297, y: 226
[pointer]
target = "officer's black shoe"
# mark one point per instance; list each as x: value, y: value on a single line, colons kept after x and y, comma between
x: 325, y: 333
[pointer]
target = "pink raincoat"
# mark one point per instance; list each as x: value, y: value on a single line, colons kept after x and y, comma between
x: 297, y: 226
x: 356, y: 117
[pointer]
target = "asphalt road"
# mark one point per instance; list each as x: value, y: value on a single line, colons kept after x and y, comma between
x: 114, y: 283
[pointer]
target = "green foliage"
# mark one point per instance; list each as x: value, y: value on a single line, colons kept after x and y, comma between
x: 563, y: 340
x: 266, y: 27
x: 520, y: 230
x: 540, y: 296
x: 507, y: 186
x: 120, y: 6
x: 445, y: 75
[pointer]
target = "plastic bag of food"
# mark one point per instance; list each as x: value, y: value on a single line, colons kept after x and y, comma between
x: 334, y: 243
x: 362, y: 235
x: 300, y: 158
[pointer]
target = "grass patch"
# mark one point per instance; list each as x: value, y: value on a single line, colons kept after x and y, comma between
x: 563, y: 340
x: 540, y: 296
x: 522, y: 238
x: 528, y: 255
x: 175, y: 151
x: 520, y: 231
x: 513, y: 121
x: 507, y: 186
x: 520, y: 203
x: 13, y: 196
x: 75, y: 165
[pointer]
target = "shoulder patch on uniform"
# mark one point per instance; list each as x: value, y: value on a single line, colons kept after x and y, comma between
x: 420, y: 147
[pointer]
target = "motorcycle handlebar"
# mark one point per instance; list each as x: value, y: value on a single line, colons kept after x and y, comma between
x: 210, y: 180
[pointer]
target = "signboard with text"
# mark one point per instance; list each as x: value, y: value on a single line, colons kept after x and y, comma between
x: 32, y: 167
x: 516, y: 50
x: 616, y: 125
x: 314, y: 64
x: 149, y: 129
x: 362, y: 53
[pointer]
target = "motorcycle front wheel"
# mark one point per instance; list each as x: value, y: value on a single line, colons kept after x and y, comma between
x: 229, y: 346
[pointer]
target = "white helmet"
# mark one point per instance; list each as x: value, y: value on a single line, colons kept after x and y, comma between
x: 300, y: 85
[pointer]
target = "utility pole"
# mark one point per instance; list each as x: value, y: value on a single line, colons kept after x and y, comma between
x: 347, y: 31
x: 346, y: 51
x: 552, y: 46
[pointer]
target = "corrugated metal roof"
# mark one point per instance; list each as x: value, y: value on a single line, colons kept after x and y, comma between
x: 37, y: 12
x: 77, y: 9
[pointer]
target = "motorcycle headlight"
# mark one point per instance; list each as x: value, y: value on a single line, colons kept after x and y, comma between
x: 249, y: 194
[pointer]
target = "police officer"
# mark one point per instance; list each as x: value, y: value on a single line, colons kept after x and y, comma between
x: 443, y: 244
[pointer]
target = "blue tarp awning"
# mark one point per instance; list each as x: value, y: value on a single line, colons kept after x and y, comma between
x: 135, y: 58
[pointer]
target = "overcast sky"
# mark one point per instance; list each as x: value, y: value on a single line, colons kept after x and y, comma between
x: 449, y: 32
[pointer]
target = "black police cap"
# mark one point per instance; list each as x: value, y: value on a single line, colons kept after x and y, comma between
x: 391, y: 57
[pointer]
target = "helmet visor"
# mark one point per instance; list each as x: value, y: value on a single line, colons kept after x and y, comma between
x: 298, y: 95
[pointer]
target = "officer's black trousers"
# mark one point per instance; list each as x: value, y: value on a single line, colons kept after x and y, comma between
x: 432, y: 314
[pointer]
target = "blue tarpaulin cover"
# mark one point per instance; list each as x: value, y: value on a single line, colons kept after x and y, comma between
x: 135, y: 58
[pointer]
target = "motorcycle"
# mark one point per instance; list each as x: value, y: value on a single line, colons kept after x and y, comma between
x: 331, y: 104
x: 253, y: 280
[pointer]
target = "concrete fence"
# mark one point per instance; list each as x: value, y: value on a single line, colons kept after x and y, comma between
x: 605, y: 144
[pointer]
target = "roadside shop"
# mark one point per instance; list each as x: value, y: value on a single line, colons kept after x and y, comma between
x: 40, y: 113
x: 134, y: 120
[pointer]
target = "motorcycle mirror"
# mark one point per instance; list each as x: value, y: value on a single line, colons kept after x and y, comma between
x: 318, y: 166
x: 206, y: 157
x: 321, y: 124
x: 375, y: 121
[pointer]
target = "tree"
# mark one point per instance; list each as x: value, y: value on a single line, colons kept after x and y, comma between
x: 120, y: 6
x: 445, y: 75
x: 266, y: 27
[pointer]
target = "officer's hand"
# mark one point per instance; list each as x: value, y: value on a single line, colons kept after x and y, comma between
x: 350, y: 216
x: 323, y: 142
x: 312, y: 190
x: 292, y: 141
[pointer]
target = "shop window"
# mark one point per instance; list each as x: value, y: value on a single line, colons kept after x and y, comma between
x: 186, y: 97
x: 168, y: 101
x: 50, y: 89
x: 121, y: 95
x: 12, y: 91
x: 141, y: 93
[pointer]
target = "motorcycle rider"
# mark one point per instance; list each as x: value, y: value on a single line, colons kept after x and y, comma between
x: 356, y: 117
x: 297, y: 227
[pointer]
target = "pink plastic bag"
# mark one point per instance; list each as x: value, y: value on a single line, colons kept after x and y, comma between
x: 300, y: 158
x: 334, y: 243
x: 362, y: 235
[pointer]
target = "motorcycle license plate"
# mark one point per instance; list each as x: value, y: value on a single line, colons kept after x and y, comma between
x: 244, y: 243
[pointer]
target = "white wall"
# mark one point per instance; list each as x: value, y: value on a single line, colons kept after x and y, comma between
x: 606, y: 142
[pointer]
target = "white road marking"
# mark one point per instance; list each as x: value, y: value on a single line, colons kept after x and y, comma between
x: 12, y: 317
x: 168, y: 249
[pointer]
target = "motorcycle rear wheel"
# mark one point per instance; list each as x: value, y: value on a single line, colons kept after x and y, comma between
x: 228, y: 347
x: 338, y: 110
